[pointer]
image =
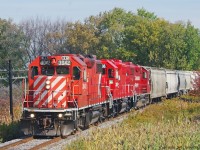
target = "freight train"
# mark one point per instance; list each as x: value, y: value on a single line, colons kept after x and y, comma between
x: 69, y: 92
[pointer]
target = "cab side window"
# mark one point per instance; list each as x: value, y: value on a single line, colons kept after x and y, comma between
x: 110, y: 73
x: 99, y: 68
x: 104, y: 71
x: 84, y: 75
x: 34, y: 71
x: 144, y: 75
x: 76, y: 73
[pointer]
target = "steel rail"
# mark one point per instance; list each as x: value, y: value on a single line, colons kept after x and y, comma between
x: 16, y: 143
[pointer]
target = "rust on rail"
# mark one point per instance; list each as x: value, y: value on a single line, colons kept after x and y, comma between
x: 16, y: 143
x: 46, y: 143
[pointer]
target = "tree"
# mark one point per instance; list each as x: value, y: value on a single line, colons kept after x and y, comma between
x: 144, y: 13
x: 11, y: 45
x: 81, y: 38
x: 192, y: 48
x: 42, y: 37
x: 142, y: 38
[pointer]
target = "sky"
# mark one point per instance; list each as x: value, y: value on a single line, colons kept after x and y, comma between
x: 74, y: 10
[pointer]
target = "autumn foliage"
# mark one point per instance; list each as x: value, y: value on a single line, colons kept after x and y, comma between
x: 196, y: 84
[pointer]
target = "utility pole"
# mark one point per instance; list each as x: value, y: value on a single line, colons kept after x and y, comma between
x: 10, y: 88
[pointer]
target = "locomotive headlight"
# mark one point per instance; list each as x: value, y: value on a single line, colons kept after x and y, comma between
x: 47, y: 87
x: 60, y: 115
x: 32, y: 115
x: 47, y: 82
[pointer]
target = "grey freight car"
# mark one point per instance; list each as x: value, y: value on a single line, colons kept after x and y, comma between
x: 172, y: 83
x: 188, y: 81
x: 184, y: 78
x: 158, y: 83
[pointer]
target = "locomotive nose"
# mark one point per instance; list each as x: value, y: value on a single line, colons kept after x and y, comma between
x: 50, y: 92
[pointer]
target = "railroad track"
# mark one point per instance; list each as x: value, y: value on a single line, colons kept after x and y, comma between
x: 42, y: 145
x: 16, y: 143
x: 30, y: 143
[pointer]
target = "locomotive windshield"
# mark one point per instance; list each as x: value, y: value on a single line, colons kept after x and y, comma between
x: 48, y: 70
x: 60, y: 70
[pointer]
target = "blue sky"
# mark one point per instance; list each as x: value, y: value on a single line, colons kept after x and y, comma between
x: 73, y: 10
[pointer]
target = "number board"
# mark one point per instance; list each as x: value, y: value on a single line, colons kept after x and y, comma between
x: 64, y: 62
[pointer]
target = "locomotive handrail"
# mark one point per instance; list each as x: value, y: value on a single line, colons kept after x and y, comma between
x: 74, y: 102
x: 110, y: 96
x: 73, y: 90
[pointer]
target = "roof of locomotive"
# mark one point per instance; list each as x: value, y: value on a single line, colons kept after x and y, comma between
x: 109, y: 62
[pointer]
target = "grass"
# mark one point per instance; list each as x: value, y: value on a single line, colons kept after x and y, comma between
x: 172, y: 124
x: 191, y: 98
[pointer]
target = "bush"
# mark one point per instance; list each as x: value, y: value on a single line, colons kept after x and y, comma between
x: 10, y: 131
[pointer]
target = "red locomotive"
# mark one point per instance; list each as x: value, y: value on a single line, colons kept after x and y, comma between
x: 72, y: 91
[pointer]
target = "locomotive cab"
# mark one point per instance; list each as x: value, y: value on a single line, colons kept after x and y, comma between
x: 110, y: 78
x: 51, y: 80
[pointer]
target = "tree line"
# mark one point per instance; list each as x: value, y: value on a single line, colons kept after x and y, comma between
x: 142, y: 38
